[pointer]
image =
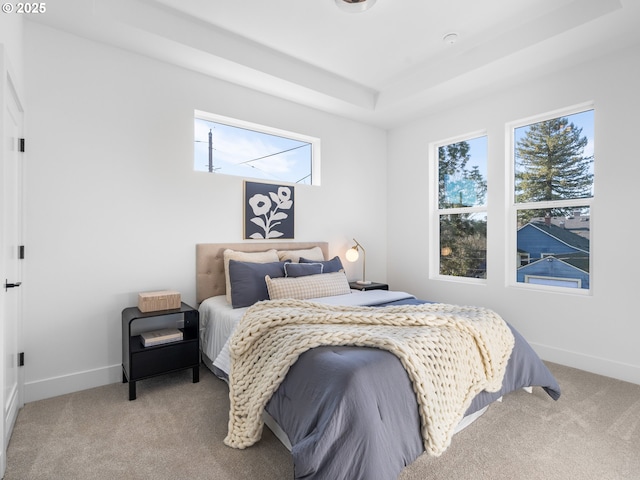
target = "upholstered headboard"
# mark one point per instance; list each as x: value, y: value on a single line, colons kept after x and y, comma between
x: 210, y: 279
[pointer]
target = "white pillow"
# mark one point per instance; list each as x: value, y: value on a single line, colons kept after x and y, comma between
x: 314, y: 253
x: 255, y: 257
x: 309, y: 286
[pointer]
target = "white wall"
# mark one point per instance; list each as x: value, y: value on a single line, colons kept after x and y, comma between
x: 11, y: 28
x: 114, y: 206
x: 598, y: 333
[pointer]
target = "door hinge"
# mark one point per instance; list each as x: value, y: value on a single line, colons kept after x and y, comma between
x: 21, y: 145
x: 21, y: 359
x: 21, y: 252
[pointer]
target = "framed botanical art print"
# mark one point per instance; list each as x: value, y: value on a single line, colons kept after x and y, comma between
x: 268, y: 211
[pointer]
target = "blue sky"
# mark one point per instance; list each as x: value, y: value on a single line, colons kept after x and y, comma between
x: 248, y: 153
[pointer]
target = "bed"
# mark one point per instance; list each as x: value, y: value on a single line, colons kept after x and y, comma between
x: 344, y: 411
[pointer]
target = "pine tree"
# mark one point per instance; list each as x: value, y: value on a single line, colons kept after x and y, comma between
x: 550, y: 163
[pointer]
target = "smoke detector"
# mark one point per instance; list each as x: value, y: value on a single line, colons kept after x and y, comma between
x: 450, y: 38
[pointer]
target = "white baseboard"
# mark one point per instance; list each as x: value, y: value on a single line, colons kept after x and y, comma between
x: 589, y: 363
x: 74, y: 382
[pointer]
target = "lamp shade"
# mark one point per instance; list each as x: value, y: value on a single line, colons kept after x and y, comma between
x: 352, y: 254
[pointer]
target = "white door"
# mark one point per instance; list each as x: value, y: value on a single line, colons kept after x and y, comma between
x: 11, y: 169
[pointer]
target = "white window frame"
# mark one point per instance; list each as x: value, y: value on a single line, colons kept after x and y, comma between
x: 234, y: 122
x: 435, y: 212
x: 576, y: 281
x: 511, y: 274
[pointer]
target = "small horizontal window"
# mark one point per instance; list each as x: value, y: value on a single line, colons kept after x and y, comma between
x: 233, y: 147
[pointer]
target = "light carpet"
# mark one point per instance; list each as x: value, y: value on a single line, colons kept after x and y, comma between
x: 175, y: 430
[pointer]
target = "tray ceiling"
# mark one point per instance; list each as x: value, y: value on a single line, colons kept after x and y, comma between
x: 383, y: 66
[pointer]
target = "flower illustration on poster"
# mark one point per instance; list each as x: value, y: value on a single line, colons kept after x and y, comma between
x: 268, y: 211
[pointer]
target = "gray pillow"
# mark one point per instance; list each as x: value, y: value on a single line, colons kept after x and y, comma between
x: 247, y: 281
x: 328, y: 266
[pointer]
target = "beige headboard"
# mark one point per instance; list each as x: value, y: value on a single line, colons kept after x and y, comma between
x: 210, y: 279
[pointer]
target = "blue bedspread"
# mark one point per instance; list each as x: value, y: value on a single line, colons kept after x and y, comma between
x: 351, y: 413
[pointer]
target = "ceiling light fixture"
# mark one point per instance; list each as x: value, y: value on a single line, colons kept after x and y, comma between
x: 354, y: 6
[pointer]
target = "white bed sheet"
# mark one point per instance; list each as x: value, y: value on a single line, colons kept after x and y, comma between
x: 218, y: 320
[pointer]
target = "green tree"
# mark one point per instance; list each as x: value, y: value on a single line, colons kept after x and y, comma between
x: 462, y: 236
x: 551, y: 165
x: 452, y: 163
x: 463, y: 241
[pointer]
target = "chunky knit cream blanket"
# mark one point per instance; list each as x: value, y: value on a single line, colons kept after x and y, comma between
x: 451, y: 353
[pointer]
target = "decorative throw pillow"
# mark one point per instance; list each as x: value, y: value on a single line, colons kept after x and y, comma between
x: 248, y: 281
x: 329, y: 266
x: 310, y: 286
x: 314, y: 254
x: 256, y: 257
x: 302, y: 269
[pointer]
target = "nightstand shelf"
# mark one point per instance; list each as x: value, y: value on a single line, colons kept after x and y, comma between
x: 369, y: 286
x: 140, y: 362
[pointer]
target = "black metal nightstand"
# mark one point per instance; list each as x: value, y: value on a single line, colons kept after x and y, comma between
x: 140, y: 362
x: 368, y: 286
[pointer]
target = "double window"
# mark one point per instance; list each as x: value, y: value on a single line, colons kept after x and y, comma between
x: 550, y: 159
